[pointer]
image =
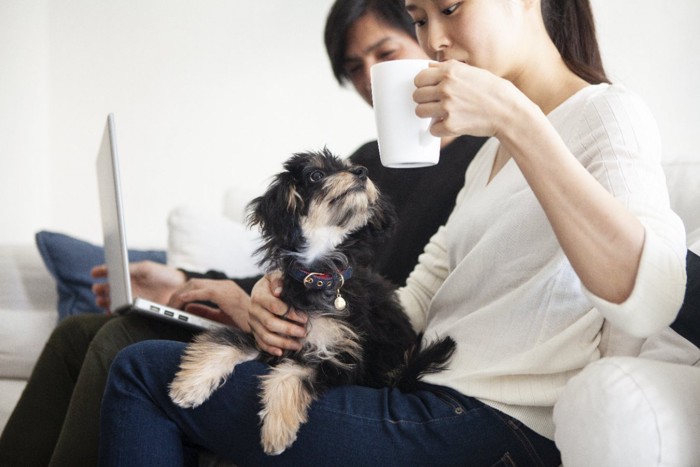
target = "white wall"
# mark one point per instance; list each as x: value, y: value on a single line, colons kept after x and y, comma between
x: 206, y: 95
x: 653, y: 47
x: 213, y: 93
x: 25, y: 182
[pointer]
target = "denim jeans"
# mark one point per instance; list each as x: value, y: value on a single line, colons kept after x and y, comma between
x: 348, y: 425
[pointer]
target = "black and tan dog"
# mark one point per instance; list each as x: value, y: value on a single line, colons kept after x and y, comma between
x: 321, y: 220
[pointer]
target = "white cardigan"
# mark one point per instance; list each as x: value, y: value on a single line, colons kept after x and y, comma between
x: 496, y: 280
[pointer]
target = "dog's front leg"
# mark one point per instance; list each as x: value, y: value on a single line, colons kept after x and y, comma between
x: 287, y: 392
x: 207, y: 363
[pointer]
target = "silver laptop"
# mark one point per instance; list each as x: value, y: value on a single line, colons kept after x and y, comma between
x: 115, y: 246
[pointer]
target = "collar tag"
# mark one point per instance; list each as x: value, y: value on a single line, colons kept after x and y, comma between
x: 320, y: 280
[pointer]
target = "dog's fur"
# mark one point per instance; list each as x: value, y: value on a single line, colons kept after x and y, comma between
x: 324, y: 215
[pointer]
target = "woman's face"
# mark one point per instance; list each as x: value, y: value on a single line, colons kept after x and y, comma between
x: 371, y: 41
x: 482, y: 33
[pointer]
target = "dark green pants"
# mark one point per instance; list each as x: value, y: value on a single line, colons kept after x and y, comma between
x: 56, y: 421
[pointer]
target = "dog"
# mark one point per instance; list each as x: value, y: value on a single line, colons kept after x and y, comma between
x: 320, y: 221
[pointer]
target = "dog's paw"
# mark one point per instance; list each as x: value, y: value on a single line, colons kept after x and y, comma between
x: 190, y: 392
x: 275, y: 438
x: 285, y: 401
x: 206, y: 365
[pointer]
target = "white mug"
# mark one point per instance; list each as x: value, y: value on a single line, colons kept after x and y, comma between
x: 404, y: 138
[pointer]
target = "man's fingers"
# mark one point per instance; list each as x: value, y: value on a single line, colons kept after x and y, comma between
x: 208, y: 312
x: 99, y: 271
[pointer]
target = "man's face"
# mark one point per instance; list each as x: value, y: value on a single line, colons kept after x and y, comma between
x: 371, y: 41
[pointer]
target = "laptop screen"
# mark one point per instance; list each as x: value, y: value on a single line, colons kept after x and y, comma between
x: 113, y: 227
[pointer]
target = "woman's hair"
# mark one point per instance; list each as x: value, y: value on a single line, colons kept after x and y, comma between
x: 569, y: 23
x: 571, y: 27
x: 343, y: 16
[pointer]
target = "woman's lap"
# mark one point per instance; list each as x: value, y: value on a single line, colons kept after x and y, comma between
x: 348, y: 425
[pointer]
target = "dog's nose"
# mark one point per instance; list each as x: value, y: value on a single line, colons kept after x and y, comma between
x: 360, y: 172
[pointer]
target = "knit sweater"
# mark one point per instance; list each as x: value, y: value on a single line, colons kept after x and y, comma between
x: 496, y: 279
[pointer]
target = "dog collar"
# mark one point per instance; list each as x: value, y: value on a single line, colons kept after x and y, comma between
x: 321, y: 281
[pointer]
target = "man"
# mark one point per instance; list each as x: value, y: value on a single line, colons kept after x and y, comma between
x: 57, y: 418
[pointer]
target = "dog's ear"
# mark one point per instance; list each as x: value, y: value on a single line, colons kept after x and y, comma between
x: 382, y: 223
x: 362, y: 244
x: 264, y: 211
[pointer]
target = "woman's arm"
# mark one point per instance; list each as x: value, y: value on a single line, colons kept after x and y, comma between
x: 601, y: 238
x: 608, y: 206
x: 601, y: 221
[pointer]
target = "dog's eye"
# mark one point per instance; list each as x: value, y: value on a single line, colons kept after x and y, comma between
x: 316, y: 175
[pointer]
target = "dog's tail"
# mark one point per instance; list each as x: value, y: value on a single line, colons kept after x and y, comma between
x: 421, y: 361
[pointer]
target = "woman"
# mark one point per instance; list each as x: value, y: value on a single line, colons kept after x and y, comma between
x: 563, y: 222
x: 56, y: 421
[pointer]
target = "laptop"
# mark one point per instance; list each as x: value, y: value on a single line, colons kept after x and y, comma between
x: 115, y: 246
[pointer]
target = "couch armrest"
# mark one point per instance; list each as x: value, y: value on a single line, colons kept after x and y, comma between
x: 627, y: 411
x: 24, y: 280
x: 27, y: 309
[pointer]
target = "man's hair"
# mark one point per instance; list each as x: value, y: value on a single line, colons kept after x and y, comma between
x: 345, y: 13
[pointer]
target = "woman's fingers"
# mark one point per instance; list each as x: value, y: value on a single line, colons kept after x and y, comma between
x: 273, y: 343
x: 276, y: 327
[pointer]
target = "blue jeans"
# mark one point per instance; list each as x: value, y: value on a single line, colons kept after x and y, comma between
x: 348, y: 425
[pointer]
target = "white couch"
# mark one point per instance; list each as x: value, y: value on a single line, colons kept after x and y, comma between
x: 28, y: 296
x: 620, y: 411
x: 28, y: 313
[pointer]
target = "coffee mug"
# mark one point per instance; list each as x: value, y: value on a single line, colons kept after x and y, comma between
x: 404, y: 138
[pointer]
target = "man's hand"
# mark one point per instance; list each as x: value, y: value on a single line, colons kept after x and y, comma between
x: 232, y: 303
x: 149, y: 280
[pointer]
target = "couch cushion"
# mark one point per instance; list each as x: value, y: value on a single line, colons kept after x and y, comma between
x: 22, y: 337
x: 69, y: 260
x: 200, y: 241
x: 683, y: 179
x: 27, y: 309
x: 669, y: 346
x: 24, y: 281
x: 627, y: 411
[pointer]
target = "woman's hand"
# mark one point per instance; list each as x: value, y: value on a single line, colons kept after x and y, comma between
x: 231, y: 303
x: 276, y: 327
x: 461, y: 99
x: 149, y: 280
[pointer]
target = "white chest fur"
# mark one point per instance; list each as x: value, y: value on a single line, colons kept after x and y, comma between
x: 328, y: 337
